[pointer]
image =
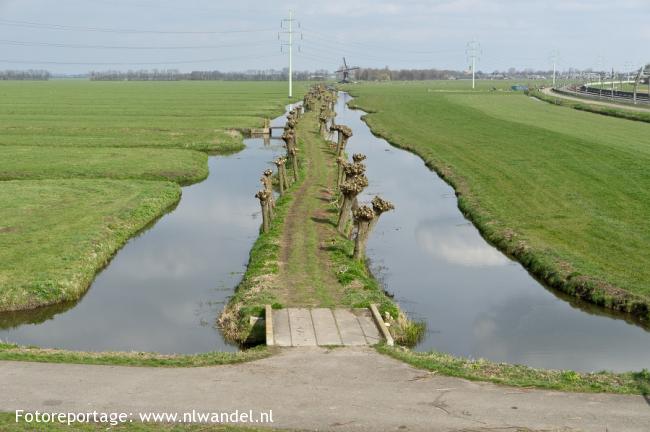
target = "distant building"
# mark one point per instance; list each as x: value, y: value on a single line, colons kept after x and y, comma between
x: 519, y: 87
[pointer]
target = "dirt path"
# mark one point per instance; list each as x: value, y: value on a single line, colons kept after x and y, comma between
x: 549, y: 92
x: 351, y: 389
x: 306, y: 275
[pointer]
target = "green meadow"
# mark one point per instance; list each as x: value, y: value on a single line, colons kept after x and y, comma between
x: 564, y: 191
x: 86, y: 165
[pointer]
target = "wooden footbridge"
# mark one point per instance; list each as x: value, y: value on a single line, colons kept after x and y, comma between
x: 299, y: 327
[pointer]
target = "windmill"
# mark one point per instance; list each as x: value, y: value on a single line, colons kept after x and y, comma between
x: 345, y: 70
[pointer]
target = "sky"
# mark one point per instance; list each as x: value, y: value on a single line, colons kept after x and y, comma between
x: 76, y: 36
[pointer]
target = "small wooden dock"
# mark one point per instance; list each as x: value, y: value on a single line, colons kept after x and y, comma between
x: 267, y: 129
x: 299, y: 327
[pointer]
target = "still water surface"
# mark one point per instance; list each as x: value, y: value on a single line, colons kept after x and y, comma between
x: 475, y: 301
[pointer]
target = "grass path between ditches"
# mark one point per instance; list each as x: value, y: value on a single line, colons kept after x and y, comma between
x: 306, y: 271
x: 303, y: 260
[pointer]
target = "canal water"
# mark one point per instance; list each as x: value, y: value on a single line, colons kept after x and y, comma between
x: 163, y: 291
x: 475, y: 301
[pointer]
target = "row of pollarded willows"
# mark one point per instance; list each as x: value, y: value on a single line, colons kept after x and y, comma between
x: 255, y: 289
x: 266, y: 196
x: 351, y: 180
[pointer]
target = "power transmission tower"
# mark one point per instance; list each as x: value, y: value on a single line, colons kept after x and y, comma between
x: 289, y: 43
x: 473, y: 52
x: 554, y: 58
x: 600, y: 64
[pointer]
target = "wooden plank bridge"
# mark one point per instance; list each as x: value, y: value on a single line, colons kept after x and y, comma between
x: 299, y: 327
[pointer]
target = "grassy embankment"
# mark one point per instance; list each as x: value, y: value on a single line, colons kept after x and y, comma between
x: 8, y: 424
x: 523, y: 376
x: 303, y: 261
x: 11, y: 352
x: 74, y: 157
x: 565, y: 192
x: 592, y: 108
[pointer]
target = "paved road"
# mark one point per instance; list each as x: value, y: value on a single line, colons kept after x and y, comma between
x: 549, y: 91
x: 345, y: 389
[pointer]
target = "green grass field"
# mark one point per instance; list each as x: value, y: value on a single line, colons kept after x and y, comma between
x: 28, y: 162
x: 55, y: 234
x: 73, y: 157
x: 566, y: 192
x: 193, y: 115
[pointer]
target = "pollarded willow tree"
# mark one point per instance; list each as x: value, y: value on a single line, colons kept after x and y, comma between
x: 267, y: 182
x: 264, y: 196
x: 365, y: 219
x: 350, y: 190
x: 323, y: 119
x: 289, y: 137
x: 350, y: 171
x: 344, y: 135
x: 282, y: 174
x: 293, y: 152
x: 363, y: 216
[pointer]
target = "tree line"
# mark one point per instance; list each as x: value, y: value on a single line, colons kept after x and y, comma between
x: 175, y: 75
x: 25, y: 75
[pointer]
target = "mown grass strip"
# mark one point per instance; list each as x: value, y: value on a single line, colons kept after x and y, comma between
x: 523, y: 376
x: 11, y: 352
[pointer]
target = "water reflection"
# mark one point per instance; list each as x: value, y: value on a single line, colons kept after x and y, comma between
x: 445, y: 240
x: 476, y: 302
x: 163, y: 291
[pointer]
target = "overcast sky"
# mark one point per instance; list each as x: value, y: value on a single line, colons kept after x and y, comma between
x: 83, y: 35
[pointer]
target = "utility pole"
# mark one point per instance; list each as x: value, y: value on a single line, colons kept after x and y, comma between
x: 554, y: 59
x: 600, y: 61
x: 473, y: 52
x: 289, y: 44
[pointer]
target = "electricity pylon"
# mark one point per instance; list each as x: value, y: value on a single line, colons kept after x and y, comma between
x: 473, y: 52
x: 289, y: 43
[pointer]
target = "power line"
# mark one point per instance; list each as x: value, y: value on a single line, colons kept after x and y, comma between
x: 322, y: 36
x: 212, y: 60
x: 29, y: 24
x: 339, y: 50
x: 118, y: 47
